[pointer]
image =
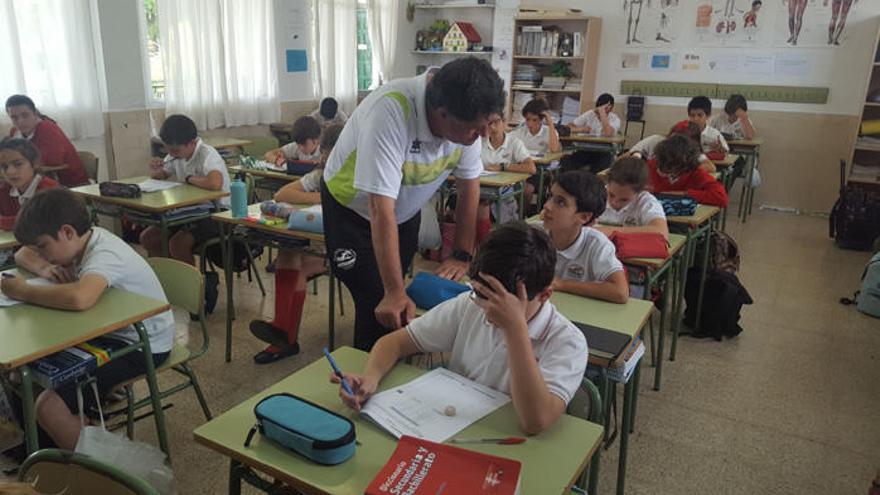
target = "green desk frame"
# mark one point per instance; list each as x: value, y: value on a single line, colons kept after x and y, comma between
x: 498, y: 180
x: 751, y: 150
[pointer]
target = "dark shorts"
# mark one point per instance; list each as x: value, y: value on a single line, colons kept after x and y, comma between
x: 107, y: 377
x: 202, y: 230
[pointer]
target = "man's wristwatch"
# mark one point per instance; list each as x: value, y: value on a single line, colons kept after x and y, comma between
x: 462, y: 255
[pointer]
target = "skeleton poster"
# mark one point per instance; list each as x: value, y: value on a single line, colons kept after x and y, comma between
x: 812, y: 23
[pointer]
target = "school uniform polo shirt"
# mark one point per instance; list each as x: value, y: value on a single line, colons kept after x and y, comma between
x: 590, y: 258
x: 591, y: 119
x: 734, y: 128
x: 293, y: 152
x: 535, y: 143
x: 710, y: 139
x: 204, y: 160
x: 387, y: 148
x: 11, y: 200
x: 511, y: 150
x: 110, y: 258
x: 478, y: 350
x: 639, y: 212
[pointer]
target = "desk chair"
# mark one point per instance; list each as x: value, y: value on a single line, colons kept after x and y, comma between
x: 90, y: 163
x: 184, y: 286
x: 60, y: 471
x: 587, y: 404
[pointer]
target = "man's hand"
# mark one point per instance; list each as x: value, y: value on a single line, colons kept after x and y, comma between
x: 362, y: 386
x: 504, y: 310
x: 13, y: 286
x: 452, y: 269
x: 58, y: 274
x: 395, y: 310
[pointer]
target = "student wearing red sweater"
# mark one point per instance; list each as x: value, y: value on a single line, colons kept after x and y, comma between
x: 18, y: 164
x: 49, y: 139
x: 676, y: 168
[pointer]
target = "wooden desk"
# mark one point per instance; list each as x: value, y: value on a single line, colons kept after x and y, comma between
x: 751, y: 148
x: 30, y: 332
x: 7, y: 240
x: 548, y: 158
x: 728, y: 160
x: 156, y: 205
x: 699, y: 225
x: 226, y: 143
x: 264, y: 174
x: 227, y: 225
x: 550, y: 461
x: 543, y: 163
x: 498, y: 181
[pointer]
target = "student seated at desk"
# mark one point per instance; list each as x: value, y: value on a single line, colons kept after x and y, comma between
x: 600, y: 121
x: 586, y: 262
x: 675, y: 170
x: 538, y: 134
x: 18, y: 163
x: 630, y: 207
x: 193, y: 162
x: 711, y: 141
x: 735, y: 123
x: 60, y: 244
x: 644, y: 149
x: 503, y: 152
x: 293, y: 268
x: 329, y: 113
x: 304, y: 148
x: 505, y: 334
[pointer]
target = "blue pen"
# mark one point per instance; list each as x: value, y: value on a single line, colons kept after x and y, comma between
x: 338, y: 372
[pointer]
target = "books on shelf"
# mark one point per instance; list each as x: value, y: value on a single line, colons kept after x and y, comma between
x: 553, y: 82
x: 538, y: 41
x: 527, y: 75
x: 420, y: 467
x: 864, y: 173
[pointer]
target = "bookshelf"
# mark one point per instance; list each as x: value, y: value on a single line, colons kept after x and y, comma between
x: 865, y: 163
x: 541, y: 44
x: 480, y: 15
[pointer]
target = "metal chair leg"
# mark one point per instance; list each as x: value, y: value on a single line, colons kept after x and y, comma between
x: 198, y: 389
x: 250, y: 257
x: 129, y: 413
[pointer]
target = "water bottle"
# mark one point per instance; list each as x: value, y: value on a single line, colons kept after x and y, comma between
x: 238, y: 191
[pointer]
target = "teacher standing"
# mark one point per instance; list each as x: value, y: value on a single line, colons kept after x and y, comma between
x: 395, y: 151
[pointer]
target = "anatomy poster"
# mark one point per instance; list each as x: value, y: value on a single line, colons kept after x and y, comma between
x: 652, y: 23
x: 730, y: 22
x: 813, y: 23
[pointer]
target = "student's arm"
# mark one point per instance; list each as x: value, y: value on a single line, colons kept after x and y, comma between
x: 295, y: 193
x: 707, y: 164
x: 553, y: 136
x: 274, y: 156
x: 709, y: 191
x: 385, y: 353
x: 613, y: 289
x: 536, y: 407
x: 396, y: 308
x: 75, y: 296
x: 746, y: 124
x: 657, y: 225
x: 608, y: 130
x: 212, y: 182
x: 526, y: 166
x: 29, y: 259
x: 579, y: 124
x: 157, y: 168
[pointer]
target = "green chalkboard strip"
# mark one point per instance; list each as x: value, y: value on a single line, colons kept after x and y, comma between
x: 786, y: 94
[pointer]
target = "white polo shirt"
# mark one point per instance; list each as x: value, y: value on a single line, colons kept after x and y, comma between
x: 639, y: 212
x: 709, y: 139
x: 645, y: 147
x: 478, y: 350
x: 387, y: 148
x: 292, y: 151
x: 591, y: 119
x: 511, y: 150
x: 590, y: 258
x: 339, y: 118
x: 734, y: 129
x: 203, y: 160
x: 535, y: 143
x: 110, y: 258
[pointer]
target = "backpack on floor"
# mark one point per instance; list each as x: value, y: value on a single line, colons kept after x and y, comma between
x: 723, y: 299
x: 867, y: 299
x: 854, y: 222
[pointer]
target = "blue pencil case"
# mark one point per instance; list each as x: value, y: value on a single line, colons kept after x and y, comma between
x: 304, y: 427
x: 295, y: 167
x: 428, y: 290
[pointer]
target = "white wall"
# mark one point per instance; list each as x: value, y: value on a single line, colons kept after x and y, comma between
x: 293, y: 31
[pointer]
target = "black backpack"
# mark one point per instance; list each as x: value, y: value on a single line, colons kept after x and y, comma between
x: 854, y: 222
x: 594, y: 161
x: 723, y: 299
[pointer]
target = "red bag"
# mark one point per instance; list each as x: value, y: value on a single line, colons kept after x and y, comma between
x: 716, y: 155
x: 640, y: 245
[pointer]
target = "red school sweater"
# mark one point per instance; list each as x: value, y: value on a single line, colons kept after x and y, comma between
x: 697, y: 184
x: 56, y: 149
x: 9, y: 206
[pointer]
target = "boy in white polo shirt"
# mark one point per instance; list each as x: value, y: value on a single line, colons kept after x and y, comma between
x: 711, y: 141
x: 586, y: 262
x: 538, y: 134
x: 503, y: 152
x: 505, y: 334
x: 60, y: 244
x: 630, y: 207
x: 600, y: 121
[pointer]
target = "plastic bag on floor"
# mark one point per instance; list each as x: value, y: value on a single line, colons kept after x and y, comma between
x: 136, y: 458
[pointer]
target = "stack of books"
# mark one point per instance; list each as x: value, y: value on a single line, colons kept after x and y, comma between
x: 573, y: 84
x: 553, y: 82
x: 622, y: 373
x: 527, y: 75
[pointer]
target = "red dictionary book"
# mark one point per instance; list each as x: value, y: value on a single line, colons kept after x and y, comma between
x: 428, y: 468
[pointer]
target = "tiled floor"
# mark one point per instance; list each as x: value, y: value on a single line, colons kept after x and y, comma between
x: 789, y: 407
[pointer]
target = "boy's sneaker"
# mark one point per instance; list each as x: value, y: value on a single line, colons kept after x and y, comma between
x: 212, y: 281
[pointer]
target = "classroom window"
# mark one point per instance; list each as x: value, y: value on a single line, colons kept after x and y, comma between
x: 155, y: 70
x: 366, y: 75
